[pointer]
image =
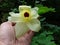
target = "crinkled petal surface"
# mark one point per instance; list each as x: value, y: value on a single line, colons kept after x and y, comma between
x: 34, y: 13
x: 15, y: 19
x: 24, y: 7
x: 14, y: 14
x: 34, y: 25
x: 9, y: 18
x: 20, y: 29
x: 36, y: 8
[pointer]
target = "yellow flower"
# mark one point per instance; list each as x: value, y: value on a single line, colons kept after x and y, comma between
x: 26, y: 19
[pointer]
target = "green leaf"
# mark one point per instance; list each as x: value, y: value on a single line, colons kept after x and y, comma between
x: 49, y: 38
x: 51, y: 43
x: 44, y: 9
x: 43, y: 38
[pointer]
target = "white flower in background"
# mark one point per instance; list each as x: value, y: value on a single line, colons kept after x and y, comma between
x: 25, y: 20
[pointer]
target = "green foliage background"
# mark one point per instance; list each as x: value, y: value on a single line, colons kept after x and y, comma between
x: 48, y: 35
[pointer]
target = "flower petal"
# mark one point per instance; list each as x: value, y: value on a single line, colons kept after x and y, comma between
x: 34, y: 25
x: 21, y: 29
x: 14, y: 14
x: 34, y: 13
x: 24, y: 7
x: 9, y: 18
x: 36, y: 8
x: 15, y: 19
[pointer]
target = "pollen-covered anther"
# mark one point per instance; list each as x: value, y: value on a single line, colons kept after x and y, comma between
x: 26, y: 14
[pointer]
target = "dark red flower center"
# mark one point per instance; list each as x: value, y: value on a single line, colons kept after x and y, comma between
x: 26, y: 14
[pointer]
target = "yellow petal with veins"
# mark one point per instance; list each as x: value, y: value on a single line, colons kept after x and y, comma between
x: 24, y: 7
x: 34, y: 25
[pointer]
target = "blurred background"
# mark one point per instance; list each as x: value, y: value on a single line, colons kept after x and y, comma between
x: 49, y: 10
